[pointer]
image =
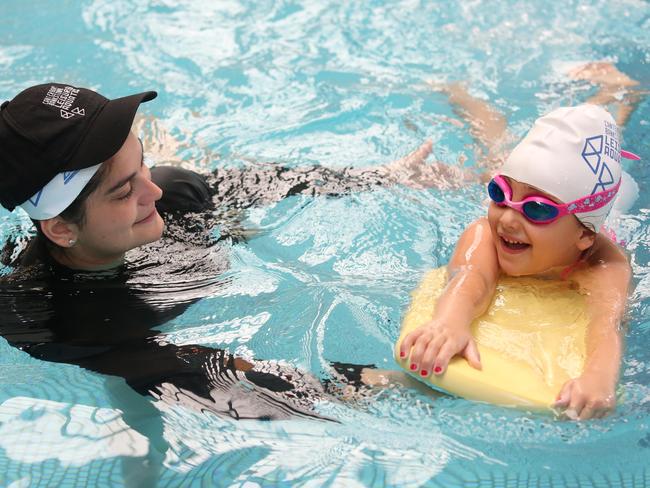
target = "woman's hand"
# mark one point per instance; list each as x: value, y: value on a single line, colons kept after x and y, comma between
x: 435, y: 343
x: 588, y: 396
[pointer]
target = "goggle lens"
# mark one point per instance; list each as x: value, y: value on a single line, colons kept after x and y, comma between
x: 495, y: 192
x: 539, y: 212
x: 534, y: 211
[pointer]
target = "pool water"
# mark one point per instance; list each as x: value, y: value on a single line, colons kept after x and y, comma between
x: 326, y: 279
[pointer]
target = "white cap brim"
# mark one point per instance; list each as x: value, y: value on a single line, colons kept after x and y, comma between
x: 58, y: 194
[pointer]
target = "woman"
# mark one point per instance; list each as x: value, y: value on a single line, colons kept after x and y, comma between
x: 79, y: 172
x: 121, y: 249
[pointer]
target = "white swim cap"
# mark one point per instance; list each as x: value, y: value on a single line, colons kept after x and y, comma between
x: 58, y: 194
x: 571, y: 153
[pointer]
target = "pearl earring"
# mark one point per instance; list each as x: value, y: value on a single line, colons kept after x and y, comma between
x: 72, y: 242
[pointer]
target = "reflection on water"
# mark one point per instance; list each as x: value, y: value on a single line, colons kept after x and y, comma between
x: 33, y: 430
x: 385, y: 452
x: 320, y: 279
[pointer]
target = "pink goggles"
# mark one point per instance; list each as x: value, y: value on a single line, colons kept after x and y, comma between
x: 541, y: 210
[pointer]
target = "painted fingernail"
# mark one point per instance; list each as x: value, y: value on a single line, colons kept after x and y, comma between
x: 437, y: 369
x: 414, y: 366
x: 402, y: 354
x: 424, y: 372
x: 571, y: 413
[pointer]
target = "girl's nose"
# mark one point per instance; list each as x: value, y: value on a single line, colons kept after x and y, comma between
x: 510, y: 218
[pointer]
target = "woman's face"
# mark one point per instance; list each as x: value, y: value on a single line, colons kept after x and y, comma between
x: 525, y: 248
x: 120, y: 214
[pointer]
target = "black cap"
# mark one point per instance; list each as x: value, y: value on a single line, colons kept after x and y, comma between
x: 51, y: 128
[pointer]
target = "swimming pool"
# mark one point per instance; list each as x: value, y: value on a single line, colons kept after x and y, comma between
x: 326, y: 279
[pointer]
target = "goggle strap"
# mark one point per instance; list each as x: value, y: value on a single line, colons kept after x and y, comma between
x: 593, y: 202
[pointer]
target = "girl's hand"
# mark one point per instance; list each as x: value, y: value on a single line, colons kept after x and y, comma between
x: 588, y: 396
x: 435, y: 343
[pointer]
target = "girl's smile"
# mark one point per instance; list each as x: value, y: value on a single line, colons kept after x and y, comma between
x: 527, y: 248
x: 512, y: 245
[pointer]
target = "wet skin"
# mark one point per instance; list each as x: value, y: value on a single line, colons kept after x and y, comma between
x: 120, y: 214
x: 526, y: 248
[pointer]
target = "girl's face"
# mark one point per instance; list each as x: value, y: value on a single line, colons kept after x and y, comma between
x: 120, y: 214
x: 526, y: 248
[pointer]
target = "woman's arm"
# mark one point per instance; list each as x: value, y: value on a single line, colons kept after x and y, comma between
x: 265, y: 183
x: 473, y: 272
x: 605, y: 283
x: 259, y: 183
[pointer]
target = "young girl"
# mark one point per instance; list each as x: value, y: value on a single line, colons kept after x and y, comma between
x: 548, y: 205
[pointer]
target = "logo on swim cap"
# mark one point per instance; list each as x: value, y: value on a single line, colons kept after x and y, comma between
x: 591, y: 153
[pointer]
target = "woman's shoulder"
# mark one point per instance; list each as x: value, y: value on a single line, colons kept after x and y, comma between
x: 183, y: 190
x: 25, y: 256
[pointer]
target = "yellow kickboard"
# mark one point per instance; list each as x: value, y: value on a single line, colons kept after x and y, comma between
x: 531, y: 341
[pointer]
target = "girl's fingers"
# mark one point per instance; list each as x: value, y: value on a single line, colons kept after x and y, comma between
x: 580, y: 406
x: 597, y: 409
x: 430, y: 355
x: 418, y: 350
x: 576, y: 405
x: 447, y: 351
x: 408, y: 342
x: 603, y: 412
x: 564, y: 396
x: 430, y: 352
x: 586, y: 413
x: 472, y: 355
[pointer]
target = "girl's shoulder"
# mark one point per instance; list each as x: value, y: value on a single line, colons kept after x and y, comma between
x: 606, y: 251
x: 475, y: 249
x: 606, y: 265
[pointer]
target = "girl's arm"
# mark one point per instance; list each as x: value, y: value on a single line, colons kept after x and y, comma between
x: 473, y: 272
x: 605, y: 283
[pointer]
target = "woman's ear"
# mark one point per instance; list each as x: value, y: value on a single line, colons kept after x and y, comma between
x: 59, y: 231
x: 586, y: 239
